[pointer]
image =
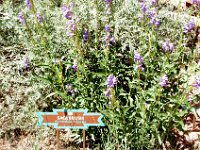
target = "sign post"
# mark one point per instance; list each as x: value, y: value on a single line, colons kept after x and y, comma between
x: 69, y: 119
x: 83, y: 139
x: 58, y: 138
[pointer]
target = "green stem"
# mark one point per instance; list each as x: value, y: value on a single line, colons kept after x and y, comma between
x: 29, y: 33
x: 98, y: 22
x: 111, y: 8
x: 113, y: 99
x: 44, y: 42
x: 45, y: 27
x: 107, y: 51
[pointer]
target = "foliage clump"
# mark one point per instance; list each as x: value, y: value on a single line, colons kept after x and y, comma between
x: 117, y: 57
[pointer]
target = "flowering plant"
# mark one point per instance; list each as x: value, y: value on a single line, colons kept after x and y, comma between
x: 125, y: 45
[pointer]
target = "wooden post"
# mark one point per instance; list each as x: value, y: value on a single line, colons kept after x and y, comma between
x: 83, y: 139
x: 194, y: 122
x: 58, y: 138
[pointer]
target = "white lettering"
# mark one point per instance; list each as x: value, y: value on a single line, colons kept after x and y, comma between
x: 70, y: 118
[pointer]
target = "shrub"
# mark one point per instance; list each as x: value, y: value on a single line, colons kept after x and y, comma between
x: 116, y: 57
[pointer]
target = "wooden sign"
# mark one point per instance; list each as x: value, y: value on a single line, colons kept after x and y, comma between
x: 73, y: 119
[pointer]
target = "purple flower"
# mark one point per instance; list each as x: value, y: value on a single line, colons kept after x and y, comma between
x: 71, y: 24
x: 70, y: 89
x: 72, y: 4
x: 144, y: 7
x: 190, y: 26
x: 108, y: 93
x: 109, y: 39
x: 167, y: 46
x: 153, y: 18
x: 198, y: 34
x: 137, y: 57
x: 139, y: 67
x: 153, y: 2
x: 111, y: 81
x: 71, y: 28
x: 85, y: 35
x: 107, y: 28
x: 21, y: 18
x: 155, y: 22
x: 151, y: 14
x: 74, y: 67
x: 197, y: 82
x: 26, y: 63
x: 39, y: 18
x: 112, y: 40
x: 163, y: 81
x: 196, y: 1
x: 108, y: 6
x: 29, y: 4
x: 69, y: 33
x: 108, y: 3
x: 67, y: 12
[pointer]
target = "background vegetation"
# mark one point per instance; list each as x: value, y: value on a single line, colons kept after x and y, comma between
x: 120, y: 57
